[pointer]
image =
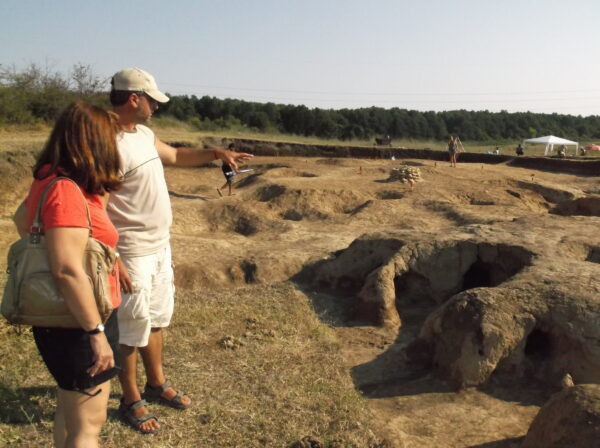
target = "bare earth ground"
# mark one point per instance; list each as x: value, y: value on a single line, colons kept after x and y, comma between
x: 269, y: 360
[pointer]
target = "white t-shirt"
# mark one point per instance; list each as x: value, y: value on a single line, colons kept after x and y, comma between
x: 141, y: 208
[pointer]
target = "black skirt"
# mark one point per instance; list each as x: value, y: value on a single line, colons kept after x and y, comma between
x: 68, y: 354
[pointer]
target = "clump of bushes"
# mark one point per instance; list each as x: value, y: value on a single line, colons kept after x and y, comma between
x: 38, y: 94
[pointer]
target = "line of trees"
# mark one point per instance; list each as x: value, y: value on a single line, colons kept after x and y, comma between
x: 37, y: 94
x: 365, y: 123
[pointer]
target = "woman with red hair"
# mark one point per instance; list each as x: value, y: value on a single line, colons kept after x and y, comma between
x: 81, y: 147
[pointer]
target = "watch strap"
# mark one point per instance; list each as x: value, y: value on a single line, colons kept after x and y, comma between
x: 98, y: 329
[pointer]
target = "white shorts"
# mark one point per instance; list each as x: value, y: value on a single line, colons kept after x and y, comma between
x: 151, y: 303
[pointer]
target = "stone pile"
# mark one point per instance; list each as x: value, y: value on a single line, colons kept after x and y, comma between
x: 406, y: 174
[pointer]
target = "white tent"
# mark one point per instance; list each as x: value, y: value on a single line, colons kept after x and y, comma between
x: 550, y: 141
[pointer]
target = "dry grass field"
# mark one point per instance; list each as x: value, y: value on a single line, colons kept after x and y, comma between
x: 269, y: 359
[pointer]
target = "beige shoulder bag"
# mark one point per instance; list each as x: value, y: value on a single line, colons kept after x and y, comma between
x: 31, y: 296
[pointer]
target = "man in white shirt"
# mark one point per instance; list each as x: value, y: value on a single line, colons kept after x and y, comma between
x: 141, y: 212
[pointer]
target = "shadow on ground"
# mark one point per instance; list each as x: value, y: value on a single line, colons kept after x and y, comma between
x: 513, y: 442
x: 23, y: 405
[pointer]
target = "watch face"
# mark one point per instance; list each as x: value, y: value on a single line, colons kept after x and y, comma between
x: 98, y: 329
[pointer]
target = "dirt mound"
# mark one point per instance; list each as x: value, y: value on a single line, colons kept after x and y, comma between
x: 526, y: 332
x: 532, y: 196
x: 551, y: 193
x: 260, y: 173
x: 244, y: 218
x: 310, y: 203
x: 571, y: 418
x: 288, y: 172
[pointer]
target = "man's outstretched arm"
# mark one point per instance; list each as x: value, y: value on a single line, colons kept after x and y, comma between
x: 194, y: 157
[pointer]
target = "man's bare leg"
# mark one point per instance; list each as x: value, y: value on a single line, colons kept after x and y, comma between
x: 153, y: 364
x: 128, y: 380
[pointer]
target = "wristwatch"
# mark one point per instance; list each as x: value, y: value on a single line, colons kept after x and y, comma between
x: 98, y: 329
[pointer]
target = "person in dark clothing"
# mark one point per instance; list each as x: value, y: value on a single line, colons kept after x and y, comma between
x: 520, y: 150
x: 228, y: 172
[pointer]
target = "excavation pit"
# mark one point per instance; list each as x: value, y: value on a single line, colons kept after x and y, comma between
x: 594, y: 255
x: 538, y: 347
x: 439, y: 274
x: 589, y: 206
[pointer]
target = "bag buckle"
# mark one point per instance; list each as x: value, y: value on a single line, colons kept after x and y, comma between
x: 35, y: 236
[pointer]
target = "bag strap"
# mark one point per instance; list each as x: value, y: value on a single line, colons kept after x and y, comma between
x: 35, y: 230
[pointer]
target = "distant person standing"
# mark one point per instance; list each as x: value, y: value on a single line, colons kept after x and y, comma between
x: 562, y: 151
x: 228, y: 172
x: 452, y: 150
x: 520, y: 150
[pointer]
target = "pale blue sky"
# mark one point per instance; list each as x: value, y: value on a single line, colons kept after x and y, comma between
x: 515, y: 55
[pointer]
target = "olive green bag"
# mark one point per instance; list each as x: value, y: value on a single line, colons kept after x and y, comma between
x: 31, y: 296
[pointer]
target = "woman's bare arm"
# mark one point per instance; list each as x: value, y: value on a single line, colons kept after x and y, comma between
x: 66, y: 247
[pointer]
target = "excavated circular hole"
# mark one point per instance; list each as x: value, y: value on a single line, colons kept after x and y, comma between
x: 292, y: 215
x: 245, y: 226
x: 488, y: 266
x: 390, y: 194
x: 249, y: 269
x: 538, y: 346
x: 270, y: 192
x: 589, y: 206
x: 480, y: 275
x: 594, y: 255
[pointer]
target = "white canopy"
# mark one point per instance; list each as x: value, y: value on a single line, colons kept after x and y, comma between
x: 550, y: 141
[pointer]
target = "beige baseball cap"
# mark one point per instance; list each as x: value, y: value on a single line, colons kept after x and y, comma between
x: 137, y: 80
